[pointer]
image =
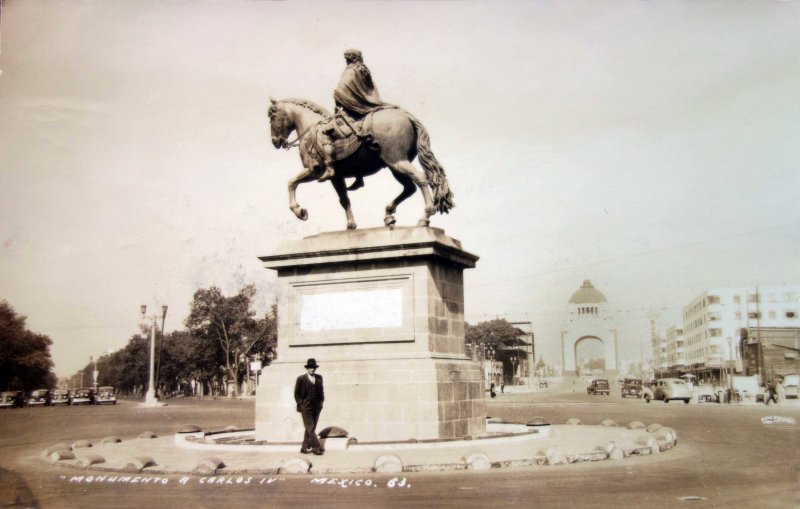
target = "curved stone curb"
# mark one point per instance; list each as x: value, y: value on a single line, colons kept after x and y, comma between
x: 57, y: 456
x: 477, y: 461
x: 147, y: 434
x: 515, y: 446
x: 92, y: 459
x: 208, y: 466
x: 138, y: 464
x: 388, y: 463
x: 295, y: 466
x: 61, y: 446
x: 111, y: 440
x: 81, y: 443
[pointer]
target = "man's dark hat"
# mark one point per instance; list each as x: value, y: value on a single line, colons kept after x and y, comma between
x: 312, y: 363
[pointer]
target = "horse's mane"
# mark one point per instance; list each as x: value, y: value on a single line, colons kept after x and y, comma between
x: 310, y: 105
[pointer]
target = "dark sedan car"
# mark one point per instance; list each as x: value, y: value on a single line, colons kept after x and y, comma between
x: 41, y: 397
x: 83, y: 396
x: 599, y: 386
x: 62, y: 397
x: 12, y: 399
x: 631, y: 387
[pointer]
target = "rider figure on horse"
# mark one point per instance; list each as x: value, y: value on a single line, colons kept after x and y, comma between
x: 355, y: 96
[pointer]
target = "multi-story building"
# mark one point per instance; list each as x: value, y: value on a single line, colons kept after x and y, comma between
x: 658, y: 343
x: 713, y: 323
x: 675, y: 350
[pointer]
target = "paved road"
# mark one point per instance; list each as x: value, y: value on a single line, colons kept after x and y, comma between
x: 725, y: 457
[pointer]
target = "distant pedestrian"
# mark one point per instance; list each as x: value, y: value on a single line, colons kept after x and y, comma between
x: 309, y: 395
x: 491, y: 390
x: 502, y: 386
x: 770, y: 393
x: 780, y: 391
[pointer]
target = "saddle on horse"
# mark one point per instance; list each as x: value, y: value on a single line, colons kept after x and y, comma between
x: 345, y: 133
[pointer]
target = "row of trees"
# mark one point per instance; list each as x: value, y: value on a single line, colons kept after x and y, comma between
x: 25, y: 362
x: 221, y: 334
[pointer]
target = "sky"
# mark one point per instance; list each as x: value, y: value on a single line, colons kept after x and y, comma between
x: 650, y: 147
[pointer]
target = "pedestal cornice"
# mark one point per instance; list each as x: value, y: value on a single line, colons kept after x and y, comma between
x: 370, y: 244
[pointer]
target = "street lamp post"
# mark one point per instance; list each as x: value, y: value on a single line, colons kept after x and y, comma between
x: 95, y: 373
x: 150, y: 398
x: 730, y: 375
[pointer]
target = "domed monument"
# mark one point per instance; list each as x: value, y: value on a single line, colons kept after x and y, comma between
x: 589, y: 320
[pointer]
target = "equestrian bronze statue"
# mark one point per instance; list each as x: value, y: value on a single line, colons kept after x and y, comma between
x: 363, y: 137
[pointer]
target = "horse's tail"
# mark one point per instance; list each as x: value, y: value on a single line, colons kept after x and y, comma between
x: 437, y: 180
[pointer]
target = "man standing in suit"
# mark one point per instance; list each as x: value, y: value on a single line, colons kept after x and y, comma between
x: 309, y: 395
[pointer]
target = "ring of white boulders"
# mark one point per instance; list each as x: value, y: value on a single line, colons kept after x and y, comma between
x: 653, y: 439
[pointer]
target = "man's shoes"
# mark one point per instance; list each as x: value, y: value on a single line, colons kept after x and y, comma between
x: 318, y: 452
x: 305, y: 451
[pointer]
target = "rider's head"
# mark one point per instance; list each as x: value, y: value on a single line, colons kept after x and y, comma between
x: 352, y: 56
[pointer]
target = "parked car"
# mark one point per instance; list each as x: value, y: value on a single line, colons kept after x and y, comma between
x: 83, y: 396
x: 62, y: 397
x: 599, y: 386
x: 667, y: 389
x: 12, y: 399
x: 40, y: 397
x: 631, y: 387
x: 105, y: 395
x: 790, y: 383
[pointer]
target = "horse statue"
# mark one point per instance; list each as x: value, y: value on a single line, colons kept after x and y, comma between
x: 389, y: 137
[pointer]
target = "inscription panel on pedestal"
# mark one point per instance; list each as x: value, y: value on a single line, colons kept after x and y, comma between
x: 353, y: 310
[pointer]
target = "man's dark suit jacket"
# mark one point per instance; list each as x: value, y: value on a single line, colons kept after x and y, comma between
x: 304, y: 393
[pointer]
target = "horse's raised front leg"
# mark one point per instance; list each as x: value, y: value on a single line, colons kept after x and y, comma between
x: 404, y: 167
x: 301, y: 178
x: 344, y: 200
x: 409, y: 188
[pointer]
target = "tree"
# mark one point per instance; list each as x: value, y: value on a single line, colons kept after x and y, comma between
x: 229, y: 322
x: 25, y: 362
x: 492, y: 334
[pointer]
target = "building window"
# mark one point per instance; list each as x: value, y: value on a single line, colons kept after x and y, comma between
x: 714, y: 316
x: 753, y: 315
x: 737, y: 299
x: 790, y: 314
x: 752, y: 298
x: 772, y: 315
x: 715, y: 332
x: 713, y: 299
x: 738, y: 315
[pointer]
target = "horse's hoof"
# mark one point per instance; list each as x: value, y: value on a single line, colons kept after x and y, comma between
x: 423, y: 223
x: 351, y: 226
x: 389, y: 221
x: 303, y: 216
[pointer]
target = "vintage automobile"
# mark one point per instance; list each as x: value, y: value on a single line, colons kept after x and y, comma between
x: 83, y: 396
x: 631, y: 387
x: 40, y: 397
x: 12, y: 399
x: 599, y: 386
x: 105, y: 395
x: 61, y: 397
x: 667, y: 389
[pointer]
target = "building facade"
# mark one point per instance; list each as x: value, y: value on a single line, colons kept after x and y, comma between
x: 716, y: 321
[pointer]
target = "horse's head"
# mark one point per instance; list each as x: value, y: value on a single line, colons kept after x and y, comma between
x: 281, y: 124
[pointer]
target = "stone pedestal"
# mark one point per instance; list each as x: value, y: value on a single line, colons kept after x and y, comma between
x: 382, y: 312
